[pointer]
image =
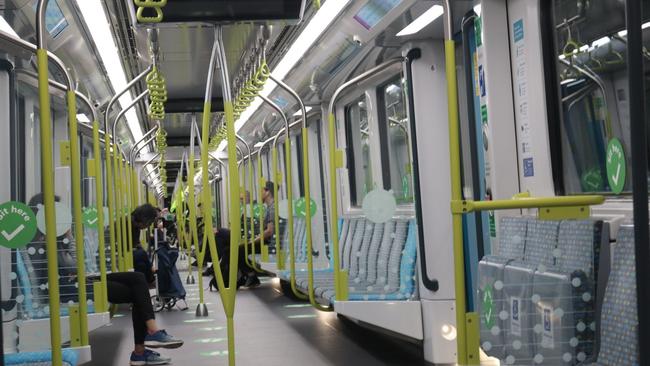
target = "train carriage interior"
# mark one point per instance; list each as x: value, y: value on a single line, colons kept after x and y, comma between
x: 324, y: 182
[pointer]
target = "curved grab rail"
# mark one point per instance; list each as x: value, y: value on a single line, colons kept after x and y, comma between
x: 307, y: 188
x: 110, y: 185
x: 126, y: 185
x: 251, y: 263
x: 289, y: 188
x: 335, y: 162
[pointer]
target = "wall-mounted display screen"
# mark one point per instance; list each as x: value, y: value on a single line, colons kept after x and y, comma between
x: 374, y: 11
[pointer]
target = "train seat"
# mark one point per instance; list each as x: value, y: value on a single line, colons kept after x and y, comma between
x: 619, y: 344
x: 379, y: 257
x: 70, y: 358
x: 542, y: 311
x: 512, y: 240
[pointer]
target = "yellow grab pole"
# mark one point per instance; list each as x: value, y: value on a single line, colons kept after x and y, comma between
x: 307, y: 197
x: 75, y: 170
x: 334, y: 224
x: 111, y: 204
x: 279, y: 247
x: 227, y: 294
x: 191, y: 171
x: 245, y: 215
x: 125, y: 240
x: 99, y: 193
x: 129, y: 204
x: 251, y: 189
x: 456, y: 195
x: 118, y: 211
x: 47, y: 174
x: 276, y: 226
x: 308, y: 220
x: 292, y: 246
x: 465, y: 356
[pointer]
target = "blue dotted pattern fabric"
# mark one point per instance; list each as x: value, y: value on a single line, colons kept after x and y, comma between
x: 70, y: 358
x: 619, y: 320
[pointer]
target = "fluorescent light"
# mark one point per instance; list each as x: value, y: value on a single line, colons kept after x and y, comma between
x: 81, y: 117
x: 299, y: 113
x: 601, y: 42
x: 422, y: 21
x: 477, y: 9
x: 5, y: 27
x: 316, y: 26
x: 567, y: 81
x: 623, y: 33
x: 93, y: 14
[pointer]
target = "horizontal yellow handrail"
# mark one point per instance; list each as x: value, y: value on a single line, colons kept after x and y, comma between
x: 526, y: 202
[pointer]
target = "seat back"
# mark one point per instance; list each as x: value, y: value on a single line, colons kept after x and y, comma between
x: 619, y: 320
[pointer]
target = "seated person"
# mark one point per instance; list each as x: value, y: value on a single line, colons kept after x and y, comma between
x: 249, y: 277
x: 132, y: 288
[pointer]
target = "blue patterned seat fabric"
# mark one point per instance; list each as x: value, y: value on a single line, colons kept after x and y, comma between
x: 70, y: 358
x: 537, y: 295
x: 619, y: 343
x: 379, y: 257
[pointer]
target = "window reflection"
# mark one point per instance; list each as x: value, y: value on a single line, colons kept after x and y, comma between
x: 358, y: 142
x: 591, y: 56
x: 398, y: 178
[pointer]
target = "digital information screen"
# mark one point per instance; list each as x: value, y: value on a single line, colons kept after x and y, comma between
x: 374, y: 11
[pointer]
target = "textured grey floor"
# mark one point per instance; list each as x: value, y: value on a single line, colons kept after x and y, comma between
x: 270, y: 330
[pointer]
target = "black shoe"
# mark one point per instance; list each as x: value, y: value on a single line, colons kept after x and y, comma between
x: 252, y: 281
x: 213, y: 283
x: 242, y: 280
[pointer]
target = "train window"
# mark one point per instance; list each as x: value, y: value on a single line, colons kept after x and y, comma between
x: 357, y: 133
x: 590, y: 64
x: 394, y: 131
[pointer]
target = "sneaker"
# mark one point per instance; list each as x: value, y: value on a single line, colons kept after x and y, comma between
x: 148, y: 358
x: 252, y: 282
x: 161, y: 339
x: 242, y: 280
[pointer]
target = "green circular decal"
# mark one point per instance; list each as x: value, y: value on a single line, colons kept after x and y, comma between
x: 17, y: 224
x: 616, y: 166
x: 257, y: 210
x: 592, y: 181
x: 89, y: 217
x: 300, y: 207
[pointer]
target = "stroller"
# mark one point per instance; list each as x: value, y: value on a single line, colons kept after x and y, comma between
x: 169, y: 287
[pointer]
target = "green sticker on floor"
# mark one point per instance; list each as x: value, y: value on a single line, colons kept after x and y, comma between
x: 17, y: 224
x: 616, y: 166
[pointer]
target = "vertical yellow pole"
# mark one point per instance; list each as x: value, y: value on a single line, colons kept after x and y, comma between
x: 334, y: 224
x: 245, y: 216
x: 251, y: 189
x: 129, y: 204
x: 262, y: 183
x: 279, y: 248
x: 191, y: 172
x: 47, y: 174
x: 123, y: 213
x: 111, y: 204
x: 456, y: 196
x: 99, y: 193
x: 292, y: 245
x: 75, y: 169
x: 118, y: 211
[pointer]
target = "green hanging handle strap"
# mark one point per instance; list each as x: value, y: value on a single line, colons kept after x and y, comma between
x: 157, y: 94
x: 155, y: 5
